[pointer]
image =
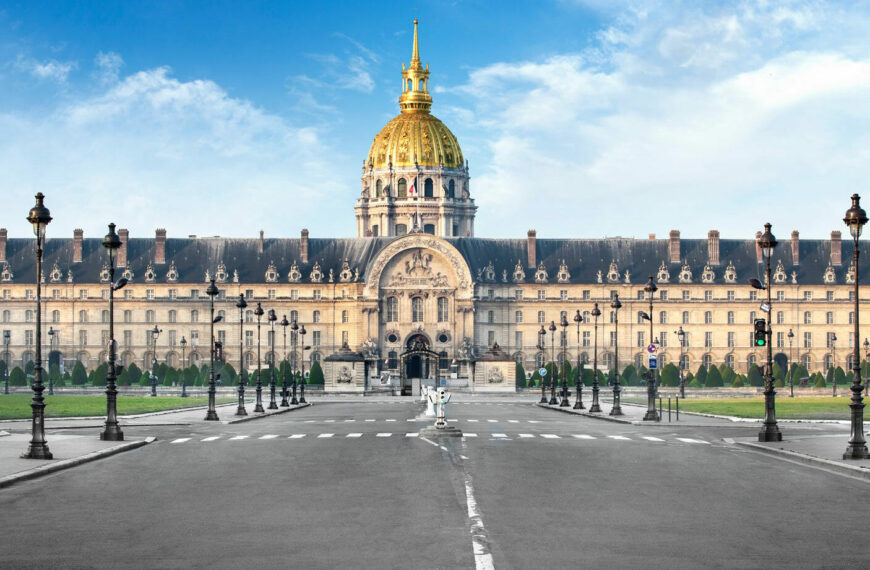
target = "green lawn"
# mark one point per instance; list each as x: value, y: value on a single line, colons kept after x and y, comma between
x: 786, y: 408
x: 17, y: 406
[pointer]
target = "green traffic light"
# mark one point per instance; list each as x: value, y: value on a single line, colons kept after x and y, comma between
x: 759, y: 342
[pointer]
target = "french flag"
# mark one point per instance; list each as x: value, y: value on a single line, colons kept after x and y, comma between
x: 412, y: 190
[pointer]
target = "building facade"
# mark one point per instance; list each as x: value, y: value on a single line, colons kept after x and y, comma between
x: 417, y: 295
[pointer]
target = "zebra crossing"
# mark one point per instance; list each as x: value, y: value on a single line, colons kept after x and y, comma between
x: 466, y: 435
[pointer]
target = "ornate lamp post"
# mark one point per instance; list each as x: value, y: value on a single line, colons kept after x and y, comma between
x: 681, y: 334
x: 651, y: 413
x: 542, y: 335
x: 6, y: 362
x: 769, y: 431
x: 39, y: 217
x: 284, y: 403
x: 212, y: 291
x: 272, y: 318
x: 155, y: 332
x: 294, y: 337
x: 616, y: 304
x: 259, y: 405
x: 595, y: 407
x: 554, y: 379
x: 790, y: 363
x: 564, y: 339
x: 51, y: 334
x: 866, y: 355
x: 183, y: 363
x: 112, y: 432
x: 241, y: 304
x: 855, y: 218
x: 578, y: 404
x: 302, y: 332
x: 834, y: 361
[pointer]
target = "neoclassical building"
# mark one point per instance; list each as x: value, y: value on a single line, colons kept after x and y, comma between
x: 416, y: 294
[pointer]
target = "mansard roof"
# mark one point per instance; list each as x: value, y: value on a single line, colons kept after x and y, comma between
x: 488, y: 259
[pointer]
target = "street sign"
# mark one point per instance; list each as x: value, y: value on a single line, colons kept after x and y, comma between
x: 542, y: 371
x: 653, y: 363
x: 651, y: 349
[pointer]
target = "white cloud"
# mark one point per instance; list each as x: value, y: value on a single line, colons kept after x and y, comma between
x: 51, y: 70
x: 109, y: 64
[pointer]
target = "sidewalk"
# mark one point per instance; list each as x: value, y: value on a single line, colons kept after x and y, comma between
x: 634, y: 413
x: 70, y: 450
x: 824, y: 451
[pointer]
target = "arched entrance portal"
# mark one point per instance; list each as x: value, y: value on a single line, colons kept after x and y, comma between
x: 418, y: 361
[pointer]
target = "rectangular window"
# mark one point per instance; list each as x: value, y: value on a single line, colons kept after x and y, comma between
x: 663, y: 339
x: 663, y: 317
x: 221, y: 336
x: 249, y: 338
x: 345, y: 336
x: 490, y: 294
x: 685, y: 317
x: 640, y: 341
x: 128, y: 293
x: 315, y: 294
x: 708, y: 340
x: 829, y: 295
x: 294, y: 294
x: 315, y: 317
x: 194, y: 293
x: 83, y: 293
x: 7, y: 293
x: 315, y: 338
x: 731, y: 340
x: 780, y: 339
x: 640, y: 295
x: 171, y: 338
x: 249, y: 294
x: 587, y: 294
x: 490, y: 317
x: 829, y: 318
x: 518, y: 339
x: 83, y: 338
x: 128, y: 338
x: 104, y: 295
x: 808, y: 295
x: 808, y: 340
x: 587, y: 338
x: 149, y: 293
x: 270, y: 293
x: 708, y: 295
x: 518, y: 294
x: 780, y: 295
x: 345, y: 317
x: 518, y: 317
x: 541, y: 317
x: 685, y: 295
x: 663, y: 295
x: 753, y: 295
x: 729, y: 295
x: 28, y: 337
x: 490, y: 338
x: 194, y: 338
x: 542, y: 294
x: 808, y: 318
x: 563, y: 294
x: 612, y: 338
x: 173, y: 293
x: 829, y: 339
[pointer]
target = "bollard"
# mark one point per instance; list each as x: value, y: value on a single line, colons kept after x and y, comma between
x: 669, y: 409
x: 678, y: 408
x: 660, y: 408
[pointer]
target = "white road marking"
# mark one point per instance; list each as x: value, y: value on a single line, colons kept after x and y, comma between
x: 297, y: 436
x: 651, y: 438
x: 370, y: 420
x: 269, y: 436
x: 384, y: 434
x: 534, y: 421
x: 326, y: 435
x: 482, y: 556
x: 412, y: 434
x: 690, y: 440
x: 328, y: 421
x: 180, y: 440
x: 526, y: 435
x: 391, y: 420
x: 469, y: 435
x: 513, y: 421
x: 473, y: 421
x: 310, y: 421
x: 348, y: 421
x: 583, y: 436
x: 356, y: 434
x: 499, y: 435
x: 620, y: 437
x: 212, y: 438
x: 550, y: 436
x: 411, y: 420
x: 429, y: 441
x: 240, y: 437
x: 453, y: 420
x: 492, y: 421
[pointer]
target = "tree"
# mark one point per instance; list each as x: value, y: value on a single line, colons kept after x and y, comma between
x: 316, y: 374
x: 169, y: 377
x: 818, y: 380
x: 701, y: 375
x: 28, y: 368
x: 99, y: 375
x: 738, y: 381
x: 520, y: 375
x: 840, y: 376
x: 755, y: 377
x: 778, y: 372
x: 17, y: 377
x: 79, y: 376
x: 54, y: 375
x: 535, y: 379
x: 727, y: 375
x: 670, y: 375
x: 133, y: 372
x: 714, y: 378
x: 829, y: 376
x: 229, y: 376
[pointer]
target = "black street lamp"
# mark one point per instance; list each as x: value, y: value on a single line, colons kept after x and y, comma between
x: 555, y: 378
x: 112, y: 432
x: 284, y: 403
x: 272, y: 318
x: 183, y: 362
x: 681, y: 334
x: 39, y: 217
x: 294, y: 337
x: 302, y: 367
x: 769, y: 431
x: 651, y: 413
x: 616, y: 304
x: 855, y: 218
x: 866, y: 355
x: 212, y: 291
x: 578, y: 404
x: 242, y: 305
x: 542, y: 335
x: 259, y: 405
x: 595, y: 407
x: 790, y: 363
x: 834, y: 361
x: 155, y: 332
x: 564, y: 339
x: 6, y: 335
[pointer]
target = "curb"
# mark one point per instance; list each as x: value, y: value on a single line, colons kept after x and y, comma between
x: 72, y: 462
x: 583, y: 414
x: 809, y: 460
x: 252, y: 417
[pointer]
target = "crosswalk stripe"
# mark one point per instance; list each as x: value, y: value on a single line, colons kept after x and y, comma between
x: 550, y: 436
x: 534, y: 421
x: 651, y: 438
x: 348, y: 421
x: 240, y: 437
x: 526, y: 435
x: 391, y: 420
x: 180, y: 440
x: 690, y: 440
x: 384, y: 434
x: 269, y: 436
x: 583, y: 436
x: 371, y: 420
x: 326, y: 435
x: 492, y: 421
x: 474, y: 421
x: 469, y: 435
x: 412, y: 434
x: 355, y: 434
x: 297, y: 436
x: 620, y: 437
x: 513, y: 421
x: 499, y: 435
x: 212, y: 438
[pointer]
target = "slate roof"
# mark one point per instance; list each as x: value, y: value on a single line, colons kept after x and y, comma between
x: 583, y: 257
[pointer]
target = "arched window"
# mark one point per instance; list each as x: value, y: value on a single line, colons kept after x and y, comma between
x: 402, y: 188
x: 442, y: 310
x: 194, y: 316
x: 539, y: 360
x: 427, y: 188
x: 417, y: 310
x: 829, y: 362
x: 685, y: 362
x: 729, y: 361
x: 451, y: 189
x: 83, y: 316
x: 707, y: 361
x: 392, y: 309
x: 249, y: 360
x: 392, y: 360
x: 807, y: 361
x: 379, y: 188
x: 607, y: 360
x: 750, y: 360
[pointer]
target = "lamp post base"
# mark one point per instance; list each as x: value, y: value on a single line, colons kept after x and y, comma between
x: 37, y: 451
x: 595, y: 407
x: 651, y: 416
x: 578, y: 405
x: 770, y: 433
x: 241, y: 411
x: 211, y: 416
x: 857, y: 448
x: 112, y: 433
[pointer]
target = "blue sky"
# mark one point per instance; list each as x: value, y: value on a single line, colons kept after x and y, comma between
x: 579, y: 118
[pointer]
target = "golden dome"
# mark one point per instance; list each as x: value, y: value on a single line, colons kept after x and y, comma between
x: 415, y: 137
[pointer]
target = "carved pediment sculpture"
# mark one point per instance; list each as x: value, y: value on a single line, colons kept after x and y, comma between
x: 221, y: 274
x: 563, y: 276
x: 664, y: 276
x: 271, y: 273
x: 829, y: 277
x: 707, y: 276
x: 685, y: 273
x: 730, y: 274
x: 316, y: 275
x: 346, y: 274
x: 150, y: 274
x: 541, y: 275
x: 294, y: 275
x: 519, y: 273
x: 779, y: 276
x: 172, y: 273
x: 613, y: 272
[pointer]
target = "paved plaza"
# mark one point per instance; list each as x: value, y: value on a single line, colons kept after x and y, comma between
x: 350, y: 483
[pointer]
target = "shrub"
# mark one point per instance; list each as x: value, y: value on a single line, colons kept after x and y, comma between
x: 170, y: 377
x: 693, y: 383
x: 535, y: 379
x: 778, y: 383
x: 840, y: 376
x: 98, y: 376
x: 670, y: 375
x: 316, y: 374
x: 755, y: 377
x: 714, y: 378
x: 727, y: 375
x: 818, y: 380
x: 145, y: 379
x: 17, y: 377
x: 737, y: 382
x: 701, y: 375
x: 520, y: 375
x: 79, y: 376
x: 778, y: 372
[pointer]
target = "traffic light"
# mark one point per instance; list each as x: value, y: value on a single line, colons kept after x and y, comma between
x: 760, y: 332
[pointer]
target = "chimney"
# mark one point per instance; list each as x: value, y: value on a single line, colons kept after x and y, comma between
x: 303, y: 246
x: 260, y: 245
x: 795, y: 248
x: 652, y: 236
x: 674, y: 246
x: 124, y: 234
x: 160, y: 246
x: 836, y: 249
x: 758, y: 258
x: 2, y: 244
x: 78, y: 238
x: 713, y: 247
x: 532, y: 248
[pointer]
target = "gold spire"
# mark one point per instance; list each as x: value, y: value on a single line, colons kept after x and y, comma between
x: 415, y: 96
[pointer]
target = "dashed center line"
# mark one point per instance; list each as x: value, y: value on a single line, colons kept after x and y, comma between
x: 297, y: 436
x: 384, y: 434
x: 583, y: 436
x: 240, y: 437
x: 180, y: 440
x: 326, y: 435
x: 269, y: 436
x: 550, y: 436
x: 212, y: 438
x: 355, y: 434
x: 651, y: 438
x: 620, y: 437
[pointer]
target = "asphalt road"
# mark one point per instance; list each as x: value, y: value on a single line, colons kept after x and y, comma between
x: 526, y: 488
